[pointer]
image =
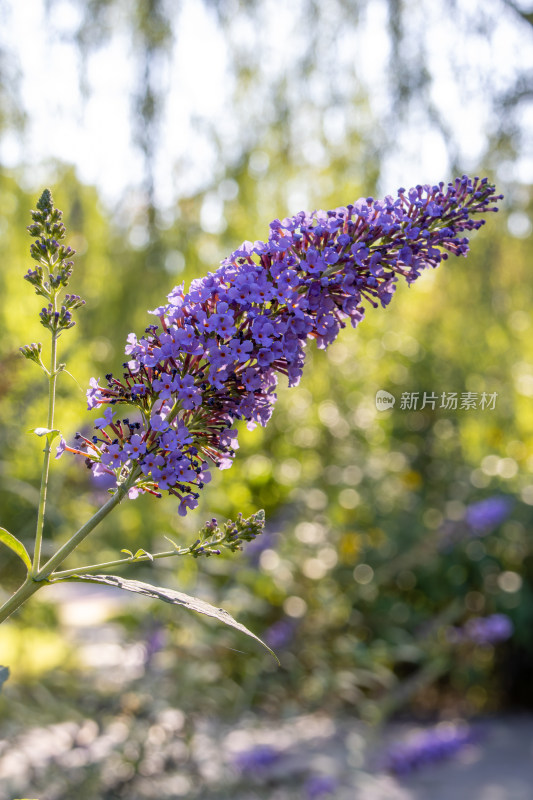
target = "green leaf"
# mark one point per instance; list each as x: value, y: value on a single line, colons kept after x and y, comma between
x: 13, y: 543
x: 142, y: 552
x: 51, y: 434
x: 138, y: 554
x: 4, y: 675
x: 170, y: 596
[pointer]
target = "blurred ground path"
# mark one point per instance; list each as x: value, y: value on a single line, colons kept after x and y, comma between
x: 307, y: 757
x: 498, y: 767
x: 161, y: 754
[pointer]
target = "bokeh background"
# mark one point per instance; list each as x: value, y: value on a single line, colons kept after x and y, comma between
x: 395, y: 575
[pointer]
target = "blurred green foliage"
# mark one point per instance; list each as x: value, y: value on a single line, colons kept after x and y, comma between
x: 354, y: 576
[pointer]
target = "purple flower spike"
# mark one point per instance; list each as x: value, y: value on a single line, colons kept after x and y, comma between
x: 219, y: 349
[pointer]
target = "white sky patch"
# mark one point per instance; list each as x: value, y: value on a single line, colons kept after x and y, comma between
x: 200, y: 85
x: 93, y: 135
x: 96, y: 135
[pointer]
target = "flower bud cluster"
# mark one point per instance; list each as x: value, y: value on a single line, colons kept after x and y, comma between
x: 54, y: 268
x: 217, y: 353
x: 62, y: 318
x: 33, y: 352
x: 231, y: 537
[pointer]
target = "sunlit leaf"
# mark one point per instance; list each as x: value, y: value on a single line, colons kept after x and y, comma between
x: 170, y: 596
x: 49, y: 432
x: 139, y: 554
x: 142, y: 552
x: 14, y: 544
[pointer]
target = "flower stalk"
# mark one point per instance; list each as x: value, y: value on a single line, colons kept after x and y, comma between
x: 49, y: 278
x: 52, y: 382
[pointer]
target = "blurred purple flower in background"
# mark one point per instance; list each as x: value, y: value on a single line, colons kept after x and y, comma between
x: 428, y: 747
x: 479, y: 519
x: 483, y: 630
x: 257, y: 760
x: 280, y: 633
x: 156, y: 639
x: 320, y: 786
x: 485, y: 515
x: 268, y: 540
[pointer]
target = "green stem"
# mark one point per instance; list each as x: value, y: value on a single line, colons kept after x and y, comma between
x: 66, y: 573
x: 29, y: 587
x: 36, y: 581
x: 57, y: 559
x: 52, y: 380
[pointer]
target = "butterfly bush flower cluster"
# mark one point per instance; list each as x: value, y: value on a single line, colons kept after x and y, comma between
x: 217, y: 351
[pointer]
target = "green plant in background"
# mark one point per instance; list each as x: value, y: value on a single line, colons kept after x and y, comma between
x: 217, y: 356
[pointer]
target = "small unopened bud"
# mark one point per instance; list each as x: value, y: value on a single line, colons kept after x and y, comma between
x: 32, y: 351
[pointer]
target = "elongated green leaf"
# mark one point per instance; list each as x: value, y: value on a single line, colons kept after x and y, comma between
x: 170, y: 596
x: 13, y: 543
x: 4, y: 675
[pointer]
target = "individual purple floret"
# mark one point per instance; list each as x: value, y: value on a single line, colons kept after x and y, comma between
x: 485, y: 515
x: 428, y: 747
x: 484, y: 630
x: 217, y: 352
